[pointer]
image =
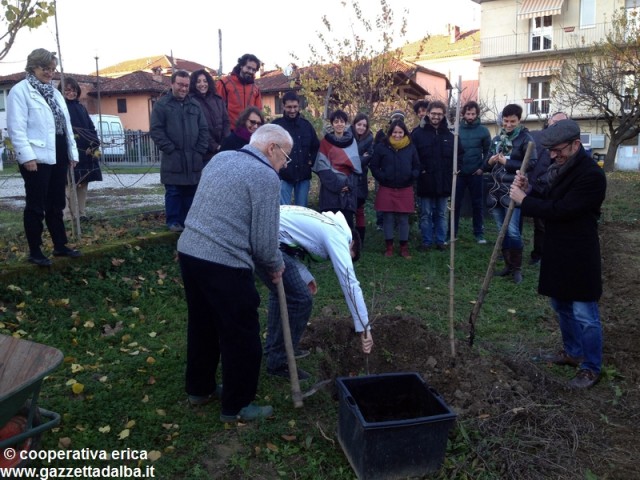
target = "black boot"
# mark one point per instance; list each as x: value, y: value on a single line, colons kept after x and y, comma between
x: 507, y: 270
x: 361, y: 231
x: 516, y: 264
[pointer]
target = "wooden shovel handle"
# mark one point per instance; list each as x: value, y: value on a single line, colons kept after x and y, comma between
x: 296, y: 393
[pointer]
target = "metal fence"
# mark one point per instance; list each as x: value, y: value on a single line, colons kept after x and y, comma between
x: 132, y: 148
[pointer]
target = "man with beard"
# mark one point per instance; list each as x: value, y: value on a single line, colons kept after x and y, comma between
x: 570, y: 268
x: 238, y: 90
x: 296, y: 178
x: 435, y: 145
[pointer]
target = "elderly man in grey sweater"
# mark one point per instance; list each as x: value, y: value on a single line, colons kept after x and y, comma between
x: 232, y: 229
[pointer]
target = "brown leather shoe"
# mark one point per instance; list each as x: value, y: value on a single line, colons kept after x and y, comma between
x: 584, y: 379
x: 562, y: 358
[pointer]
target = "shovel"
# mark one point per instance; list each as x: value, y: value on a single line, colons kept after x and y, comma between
x: 296, y: 394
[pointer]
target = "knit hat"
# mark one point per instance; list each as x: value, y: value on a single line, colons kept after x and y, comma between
x: 396, y: 115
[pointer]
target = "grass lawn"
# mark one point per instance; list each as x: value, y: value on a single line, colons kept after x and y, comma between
x: 119, y: 316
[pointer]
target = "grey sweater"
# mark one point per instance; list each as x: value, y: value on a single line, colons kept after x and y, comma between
x: 235, y: 214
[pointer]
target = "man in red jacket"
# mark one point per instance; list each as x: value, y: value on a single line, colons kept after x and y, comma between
x: 238, y: 90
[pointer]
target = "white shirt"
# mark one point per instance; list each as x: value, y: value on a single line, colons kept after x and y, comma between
x: 326, y: 236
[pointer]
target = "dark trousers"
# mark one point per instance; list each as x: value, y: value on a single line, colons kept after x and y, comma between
x: 45, y: 200
x: 538, y: 238
x: 223, y: 325
x: 474, y: 184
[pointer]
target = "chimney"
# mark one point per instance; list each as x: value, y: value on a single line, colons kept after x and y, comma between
x: 156, y: 73
x: 454, y: 33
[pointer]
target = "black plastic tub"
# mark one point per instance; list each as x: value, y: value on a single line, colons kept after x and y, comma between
x: 392, y: 425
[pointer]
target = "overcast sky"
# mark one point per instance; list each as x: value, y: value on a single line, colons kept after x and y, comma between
x: 118, y: 30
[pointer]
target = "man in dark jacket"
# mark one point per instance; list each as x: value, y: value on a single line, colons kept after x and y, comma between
x: 537, y: 180
x: 179, y: 129
x: 296, y: 178
x: 570, y: 270
x: 434, y: 143
x: 476, y: 141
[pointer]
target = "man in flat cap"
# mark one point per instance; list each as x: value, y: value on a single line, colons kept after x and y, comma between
x: 570, y: 270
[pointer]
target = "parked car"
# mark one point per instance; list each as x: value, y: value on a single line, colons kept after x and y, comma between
x: 112, y: 137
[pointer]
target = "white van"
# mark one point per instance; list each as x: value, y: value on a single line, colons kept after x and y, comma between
x: 111, y: 134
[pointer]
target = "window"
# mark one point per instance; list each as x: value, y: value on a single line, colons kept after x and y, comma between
x: 587, y: 13
x: 3, y: 102
x: 630, y: 89
x: 122, y: 105
x: 541, y: 33
x: 585, y: 73
x: 539, y: 93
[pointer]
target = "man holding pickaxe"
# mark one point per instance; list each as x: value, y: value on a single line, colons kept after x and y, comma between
x: 570, y: 270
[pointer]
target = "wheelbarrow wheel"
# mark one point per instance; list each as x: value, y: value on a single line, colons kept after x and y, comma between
x: 16, y: 425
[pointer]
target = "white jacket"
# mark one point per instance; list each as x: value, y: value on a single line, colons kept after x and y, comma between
x: 31, y: 125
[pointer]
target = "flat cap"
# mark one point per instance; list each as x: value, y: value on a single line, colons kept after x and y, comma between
x: 560, y: 132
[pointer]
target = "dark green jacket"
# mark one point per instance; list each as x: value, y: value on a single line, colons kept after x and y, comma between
x: 180, y: 131
x: 476, y: 141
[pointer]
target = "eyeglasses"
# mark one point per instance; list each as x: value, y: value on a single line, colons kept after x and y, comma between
x: 285, y: 154
x: 435, y: 114
x: 254, y: 123
x: 558, y: 150
x: 182, y: 85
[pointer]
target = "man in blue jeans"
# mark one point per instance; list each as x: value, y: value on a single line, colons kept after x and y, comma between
x: 295, y: 180
x: 570, y: 270
x: 435, y: 145
x: 308, y: 236
x: 179, y: 129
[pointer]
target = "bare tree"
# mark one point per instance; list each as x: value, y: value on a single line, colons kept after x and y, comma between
x: 18, y: 14
x: 356, y: 73
x: 604, y: 79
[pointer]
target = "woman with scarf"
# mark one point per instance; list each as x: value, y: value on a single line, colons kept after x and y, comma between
x: 364, y: 138
x: 202, y: 89
x: 503, y: 160
x: 396, y: 166
x: 248, y: 122
x: 42, y: 137
x: 88, y: 169
x: 337, y: 162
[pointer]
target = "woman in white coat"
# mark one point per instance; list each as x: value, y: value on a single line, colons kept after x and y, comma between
x: 41, y: 134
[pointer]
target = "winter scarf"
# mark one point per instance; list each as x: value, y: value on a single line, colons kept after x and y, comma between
x: 47, y: 91
x: 505, y: 144
x: 399, y: 144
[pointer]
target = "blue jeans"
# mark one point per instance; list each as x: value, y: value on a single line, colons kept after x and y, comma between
x: 513, y: 237
x: 299, y: 305
x: 474, y: 183
x: 300, y: 191
x: 433, y: 219
x: 177, y: 202
x: 581, y: 331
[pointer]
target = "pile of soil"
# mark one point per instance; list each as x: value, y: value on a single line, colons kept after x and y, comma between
x: 543, y: 429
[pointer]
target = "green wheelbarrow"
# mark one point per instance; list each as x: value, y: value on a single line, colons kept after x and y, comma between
x: 23, y: 366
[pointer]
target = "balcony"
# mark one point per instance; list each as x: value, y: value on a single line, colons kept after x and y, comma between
x: 562, y: 38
